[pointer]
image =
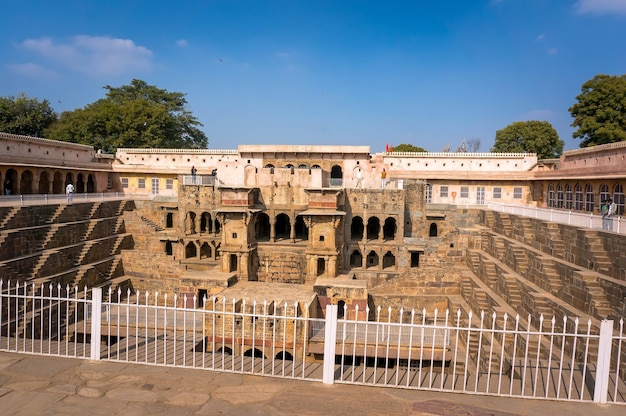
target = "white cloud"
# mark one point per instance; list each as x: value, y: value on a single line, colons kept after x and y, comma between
x: 600, y: 7
x: 553, y: 51
x: 282, y: 54
x: 31, y: 70
x: 182, y: 43
x: 540, y: 37
x: 93, y: 55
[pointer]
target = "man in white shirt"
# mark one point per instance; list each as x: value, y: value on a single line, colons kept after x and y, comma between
x: 69, y: 190
x: 610, y: 213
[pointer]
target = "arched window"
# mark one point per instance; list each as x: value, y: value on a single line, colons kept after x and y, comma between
x: 569, y: 200
x: 559, y: 196
x: 26, y: 182
x: 44, y: 183
x: 373, y: 228
x: 551, y: 203
x: 389, y: 260
x: 356, y: 229
x: 356, y: 259
x: 429, y: 193
x: 604, y: 192
x: 589, y: 199
x: 191, y: 250
x: 578, y: 191
x: 618, y: 199
x: 372, y: 259
x: 389, y: 229
x: 302, y: 231
x: 283, y: 226
x: 432, y: 232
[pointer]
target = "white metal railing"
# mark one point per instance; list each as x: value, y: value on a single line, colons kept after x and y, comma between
x: 575, y: 218
x: 456, y: 352
x: 200, y: 180
x: 49, y: 199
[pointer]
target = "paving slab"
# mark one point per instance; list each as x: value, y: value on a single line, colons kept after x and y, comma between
x: 35, y: 385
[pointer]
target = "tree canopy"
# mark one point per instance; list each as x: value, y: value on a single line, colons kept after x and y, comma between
x: 600, y: 113
x: 530, y: 137
x: 404, y: 147
x: 137, y: 116
x: 25, y: 116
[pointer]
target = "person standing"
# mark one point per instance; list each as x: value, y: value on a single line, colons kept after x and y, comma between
x: 383, y: 178
x: 610, y: 213
x: 7, y: 187
x: 69, y: 190
x: 604, y: 210
x: 359, y: 178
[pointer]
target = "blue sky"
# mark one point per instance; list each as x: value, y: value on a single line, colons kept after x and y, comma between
x: 428, y: 73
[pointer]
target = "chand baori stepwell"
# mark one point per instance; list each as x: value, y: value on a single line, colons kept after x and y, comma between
x: 313, y: 224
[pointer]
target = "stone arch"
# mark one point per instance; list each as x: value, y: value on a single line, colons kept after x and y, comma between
x: 316, y: 167
x: 389, y: 229
x: 190, y: 223
x: 356, y: 229
x: 206, y: 251
x: 336, y: 172
x: 284, y: 355
x: 356, y: 259
x: 372, y: 260
x: 341, y: 309
x: 79, y: 186
x: 389, y: 260
x: 57, y: 183
x: 254, y: 352
x: 433, y: 231
x: 206, y: 225
x: 26, y: 182
x: 373, y: 228
x: 44, y: 183
x: 302, y: 166
x: 569, y: 197
x: 225, y: 350
x: 191, y: 251
x: 10, y: 182
x: 262, y: 227
x: 283, y: 226
x: 91, y: 183
x: 302, y: 231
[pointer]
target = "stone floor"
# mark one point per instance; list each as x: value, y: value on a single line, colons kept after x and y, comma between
x: 39, y: 385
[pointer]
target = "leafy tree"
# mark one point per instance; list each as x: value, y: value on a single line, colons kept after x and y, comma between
x: 600, y: 113
x: 25, y: 116
x: 408, y: 148
x: 530, y: 137
x: 137, y: 116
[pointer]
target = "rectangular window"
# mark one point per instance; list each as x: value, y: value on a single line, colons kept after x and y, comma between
x: 109, y: 181
x: 142, y: 183
x: 497, y: 193
x: 124, y: 183
x: 169, y: 184
x: 464, y: 192
x: 517, y: 192
x: 443, y: 191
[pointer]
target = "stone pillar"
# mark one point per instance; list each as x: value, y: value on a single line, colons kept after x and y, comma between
x: 332, y: 266
x: 292, y: 230
x: 273, y: 230
x: 243, y: 265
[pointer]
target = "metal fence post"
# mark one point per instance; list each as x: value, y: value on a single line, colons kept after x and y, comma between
x: 330, y: 339
x: 603, y: 366
x: 96, y: 315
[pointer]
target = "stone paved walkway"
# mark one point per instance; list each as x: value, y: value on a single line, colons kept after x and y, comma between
x: 37, y: 385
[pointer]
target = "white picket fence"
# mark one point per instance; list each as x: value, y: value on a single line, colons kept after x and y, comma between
x: 490, y: 354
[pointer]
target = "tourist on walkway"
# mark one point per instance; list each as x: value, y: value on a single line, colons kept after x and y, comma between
x: 359, y: 178
x: 69, y: 190
x: 383, y: 178
x: 609, y: 214
x: 7, y: 187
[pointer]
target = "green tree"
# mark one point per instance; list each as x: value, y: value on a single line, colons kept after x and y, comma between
x: 404, y: 147
x: 600, y: 113
x: 25, y: 116
x: 137, y: 116
x: 529, y: 137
